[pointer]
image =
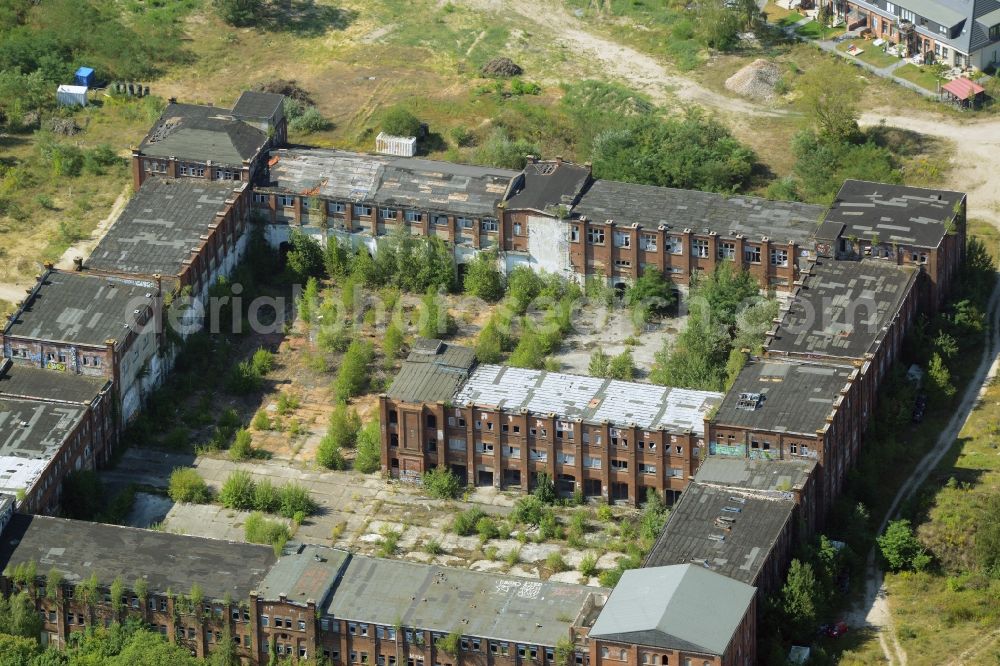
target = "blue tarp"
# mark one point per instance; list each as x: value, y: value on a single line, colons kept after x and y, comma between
x: 84, y: 77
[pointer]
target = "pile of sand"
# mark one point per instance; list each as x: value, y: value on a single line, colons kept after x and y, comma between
x: 756, y: 81
x: 501, y: 67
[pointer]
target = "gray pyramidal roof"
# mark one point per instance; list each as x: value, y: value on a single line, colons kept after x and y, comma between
x: 679, y: 607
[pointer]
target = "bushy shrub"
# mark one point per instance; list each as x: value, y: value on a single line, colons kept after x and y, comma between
x: 259, y: 529
x: 441, y: 483
x: 241, y: 448
x: 186, y: 485
x: 466, y: 522
x: 397, y: 121
x: 353, y: 377
x: 238, y: 491
x: 369, y: 455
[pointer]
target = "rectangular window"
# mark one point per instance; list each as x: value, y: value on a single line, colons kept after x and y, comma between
x: 907, y: 15
x: 595, y: 236
x: 623, y: 263
x: 260, y: 198
x: 623, y: 239
x: 302, y: 625
x: 619, y: 464
x: 727, y: 250
x: 285, y: 201
x: 699, y: 248
x: 890, y: 7
x: 779, y: 257
x: 751, y: 253
x: 675, y: 244
x: 464, y: 222
x: 363, y: 211
x: 265, y: 621
x: 439, y: 220
x: 335, y: 207
x: 649, y: 242
x: 489, y: 224
x: 574, y: 234
x: 387, y: 213
x: 414, y: 216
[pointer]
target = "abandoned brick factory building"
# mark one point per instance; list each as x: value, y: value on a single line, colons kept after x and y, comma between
x: 749, y: 472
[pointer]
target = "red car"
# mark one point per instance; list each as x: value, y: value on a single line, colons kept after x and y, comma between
x: 836, y: 630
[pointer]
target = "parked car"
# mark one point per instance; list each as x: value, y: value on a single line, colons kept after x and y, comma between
x: 836, y: 630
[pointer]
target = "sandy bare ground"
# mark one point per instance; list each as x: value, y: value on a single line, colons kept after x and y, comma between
x: 975, y: 159
x: 640, y: 71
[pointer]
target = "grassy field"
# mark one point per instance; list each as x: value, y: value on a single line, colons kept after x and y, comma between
x: 816, y: 30
x: 922, y: 76
x: 951, y: 608
x: 873, y: 55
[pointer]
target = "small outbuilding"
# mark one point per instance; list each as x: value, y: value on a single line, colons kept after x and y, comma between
x: 963, y: 93
x: 84, y: 77
x: 402, y: 146
x: 71, y: 95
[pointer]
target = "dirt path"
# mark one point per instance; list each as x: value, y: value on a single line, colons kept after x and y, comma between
x: 640, y: 71
x: 874, y: 610
x: 975, y: 158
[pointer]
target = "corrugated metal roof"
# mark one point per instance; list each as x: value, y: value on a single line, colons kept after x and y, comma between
x: 432, y: 372
x: 591, y: 399
x: 440, y: 599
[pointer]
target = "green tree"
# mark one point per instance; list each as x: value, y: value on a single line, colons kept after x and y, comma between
x: 502, y: 150
x: 369, y: 456
x: 305, y: 256
x: 545, y: 489
x: 338, y: 259
x: 529, y: 352
x: 186, y: 485
x: 344, y: 426
x: 800, y: 598
x: 433, y: 322
x: 225, y: 653
x: 17, y: 650
x: 393, y: 343
x: 329, y: 455
x: 490, y: 342
x: 689, y: 151
x: 397, y: 121
x: 622, y: 366
x: 355, y: 367
x: 483, y: 279
x: 652, y: 293
x: 309, y: 301
x: 18, y: 616
x: 829, y: 93
x: 939, y: 379
x: 899, y: 546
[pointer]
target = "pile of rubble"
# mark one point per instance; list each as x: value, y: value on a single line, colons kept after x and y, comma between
x: 756, y: 81
x: 501, y: 66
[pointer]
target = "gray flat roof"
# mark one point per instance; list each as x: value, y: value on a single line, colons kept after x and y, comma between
x: 592, y: 399
x: 308, y: 574
x: 162, y: 225
x: 385, y: 180
x: 544, y: 185
x: 766, y: 477
x: 795, y: 397
x: 432, y: 372
x: 724, y: 531
x: 843, y: 308
x: 257, y: 105
x: 78, y: 548
x: 18, y: 381
x: 680, y: 607
x: 909, y: 216
x: 31, y: 434
x: 202, y: 133
x: 702, y: 212
x: 440, y: 599
x: 81, y: 308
